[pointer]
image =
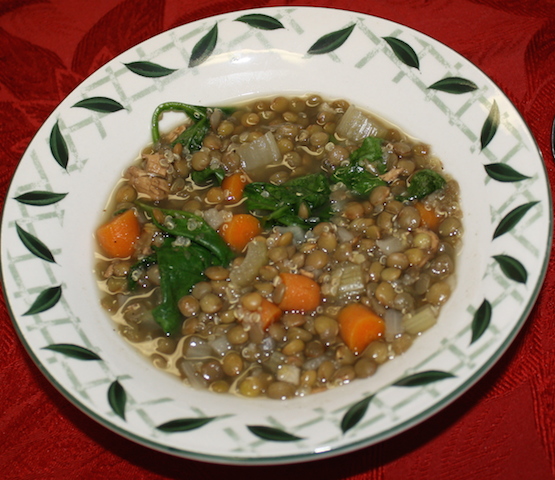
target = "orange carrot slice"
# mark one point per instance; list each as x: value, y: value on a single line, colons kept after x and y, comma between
x: 429, y: 218
x: 240, y: 230
x: 118, y: 236
x: 300, y: 293
x: 359, y: 326
x: 233, y: 187
x: 269, y: 313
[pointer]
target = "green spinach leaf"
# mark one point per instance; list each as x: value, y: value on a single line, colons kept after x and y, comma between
x: 180, y: 223
x: 370, y: 152
x: 192, y: 137
x: 208, y: 176
x: 280, y: 204
x: 357, y: 180
x: 356, y: 176
x: 422, y: 183
x: 180, y: 269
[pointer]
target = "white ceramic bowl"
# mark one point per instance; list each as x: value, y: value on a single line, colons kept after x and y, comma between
x: 47, y: 239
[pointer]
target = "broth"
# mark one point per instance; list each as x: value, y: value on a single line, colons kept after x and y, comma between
x: 280, y: 248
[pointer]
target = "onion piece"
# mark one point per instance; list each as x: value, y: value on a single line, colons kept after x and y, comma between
x: 351, y: 281
x: 356, y: 125
x: 259, y: 154
x: 256, y: 257
x: 393, y: 320
x: 189, y: 370
x: 220, y: 345
x: 390, y: 245
x: 216, y: 218
x: 421, y: 320
x: 289, y: 374
x: 298, y: 233
x: 197, y: 348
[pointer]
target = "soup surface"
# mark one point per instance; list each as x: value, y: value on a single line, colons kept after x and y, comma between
x: 278, y: 248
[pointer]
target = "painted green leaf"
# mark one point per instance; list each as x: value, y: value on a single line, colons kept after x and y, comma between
x: 34, y: 245
x: 100, y: 104
x: 403, y: 51
x: 58, y: 146
x: 504, y: 173
x: 261, y: 21
x: 184, y: 424
x: 204, y: 47
x: 331, y: 41
x: 73, y: 351
x: 512, y: 268
x: 149, y: 69
x: 45, y: 300
x: 481, y: 321
x: 117, y: 398
x: 39, y: 198
x: 456, y: 85
x: 355, y: 414
x: 423, y: 378
x: 510, y: 220
x: 489, y: 129
x: 272, y: 434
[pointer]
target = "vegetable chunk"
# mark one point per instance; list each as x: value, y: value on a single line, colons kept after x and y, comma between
x: 301, y: 293
x: 359, y: 326
x: 240, y: 230
x: 118, y: 236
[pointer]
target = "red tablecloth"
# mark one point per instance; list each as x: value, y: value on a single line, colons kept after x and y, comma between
x: 504, y: 427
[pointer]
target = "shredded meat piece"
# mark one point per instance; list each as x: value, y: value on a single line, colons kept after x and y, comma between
x: 393, y: 174
x: 157, y: 188
x: 154, y: 165
x: 176, y: 132
x: 144, y: 244
x: 109, y: 271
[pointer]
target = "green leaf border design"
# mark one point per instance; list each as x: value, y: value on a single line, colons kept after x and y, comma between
x: 46, y: 299
x: 481, y: 320
x: 204, y: 47
x: 331, y: 41
x: 272, y: 434
x: 40, y: 198
x: 149, y: 69
x: 184, y: 424
x: 356, y: 412
x: 73, y: 351
x: 34, y: 245
x: 260, y: 21
x: 423, y: 378
x: 489, y: 129
x: 100, y: 104
x: 403, y: 51
x: 512, y: 268
x: 455, y: 85
x: 504, y: 173
x: 58, y: 146
x: 510, y: 220
x: 117, y: 398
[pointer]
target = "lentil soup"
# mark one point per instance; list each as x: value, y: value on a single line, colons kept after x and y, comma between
x: 278, y: 248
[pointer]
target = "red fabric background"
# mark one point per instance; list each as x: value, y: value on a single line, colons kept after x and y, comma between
x: 504, y: 427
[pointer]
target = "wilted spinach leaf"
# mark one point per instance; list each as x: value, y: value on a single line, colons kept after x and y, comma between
x: 208, y: 176
x: 356, y: 176
x: 422, y: 183
x: 180, y: 269
x: 280, y: 204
